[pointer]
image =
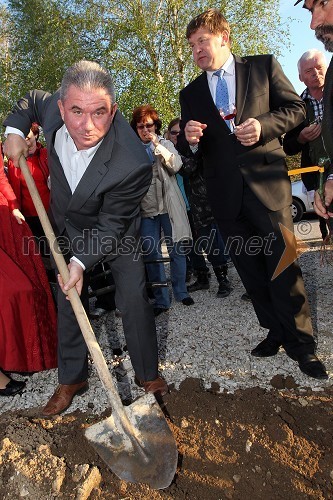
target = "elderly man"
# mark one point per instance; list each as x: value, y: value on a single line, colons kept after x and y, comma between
x: 322, y: 24
x: 99, y: 175
x: 306, y: 138
x: 246, y: 177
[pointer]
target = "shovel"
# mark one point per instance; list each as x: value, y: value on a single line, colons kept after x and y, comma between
x: 136, y: 441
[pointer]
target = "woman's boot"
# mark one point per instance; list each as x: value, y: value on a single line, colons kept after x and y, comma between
x: 202, y: 282
x: 221, y: 273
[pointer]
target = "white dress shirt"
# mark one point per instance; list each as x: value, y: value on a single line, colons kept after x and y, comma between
x: 73, y: 162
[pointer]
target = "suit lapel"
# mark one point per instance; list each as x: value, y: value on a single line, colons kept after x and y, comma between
x: 243, y: 70
x: 205, y: 97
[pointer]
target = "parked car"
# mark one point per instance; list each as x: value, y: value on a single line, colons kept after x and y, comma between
x: 302, y: 200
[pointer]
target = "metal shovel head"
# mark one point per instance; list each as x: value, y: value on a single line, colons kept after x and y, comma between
x: 149, y: 455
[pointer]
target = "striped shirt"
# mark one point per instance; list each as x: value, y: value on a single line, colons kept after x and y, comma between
x: 318, y: 106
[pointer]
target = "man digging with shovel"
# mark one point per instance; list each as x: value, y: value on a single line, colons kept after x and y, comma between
x: 99, y: 174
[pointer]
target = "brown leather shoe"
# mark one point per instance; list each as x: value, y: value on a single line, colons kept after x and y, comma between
x: 63, y: 397
x: 157, y: 386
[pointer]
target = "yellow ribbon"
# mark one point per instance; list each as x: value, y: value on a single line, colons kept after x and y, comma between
x: 304, y: 170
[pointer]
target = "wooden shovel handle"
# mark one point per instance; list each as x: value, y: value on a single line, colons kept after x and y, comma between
x: 76, y: 303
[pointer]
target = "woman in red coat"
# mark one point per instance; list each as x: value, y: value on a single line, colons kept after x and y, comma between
x: 27, y: 311
x: 37, y: 163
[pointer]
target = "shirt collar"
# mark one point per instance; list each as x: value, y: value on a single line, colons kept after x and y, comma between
x: 306, y: 95
x: 228, y: 67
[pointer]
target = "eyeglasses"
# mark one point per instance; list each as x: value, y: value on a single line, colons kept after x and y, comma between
x: 174, y: 132
x: 146, y: 125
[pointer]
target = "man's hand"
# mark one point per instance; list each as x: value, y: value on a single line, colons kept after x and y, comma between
x: 14, y: 147
x: 18, y: 215
x: 194, y: 131
x: 309, y: 133
x: 319, y: 206
x: 75, y: 278
x: 248, y: 132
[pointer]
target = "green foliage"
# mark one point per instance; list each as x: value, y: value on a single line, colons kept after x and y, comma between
x: 4, y: 59
x: 294, y: 162
x: 142, y: 43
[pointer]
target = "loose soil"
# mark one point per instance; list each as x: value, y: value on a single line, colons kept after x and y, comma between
x: 252, y: 444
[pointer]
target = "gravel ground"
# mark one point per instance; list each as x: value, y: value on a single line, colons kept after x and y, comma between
x: 210, y: 341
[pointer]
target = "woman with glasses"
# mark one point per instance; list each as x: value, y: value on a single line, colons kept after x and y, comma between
x: 163, y: 208
x: 172, y: 133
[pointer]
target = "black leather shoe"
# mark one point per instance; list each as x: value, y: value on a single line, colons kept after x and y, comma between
x: 224, y: 289
x: 265, y: 349
x: 312, y: 366
x: 188, y: 301
x: 198, y: 286
x: 159, y: 310
x: 13, y: 387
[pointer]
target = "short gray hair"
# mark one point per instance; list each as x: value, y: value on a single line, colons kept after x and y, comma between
x: 310, y: 54
x: 87, y: 75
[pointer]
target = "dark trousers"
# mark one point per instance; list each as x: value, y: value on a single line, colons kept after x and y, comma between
x: 208, y: 239
x: 255, y: 243
x: 105, y: 301
x: 138, y: 323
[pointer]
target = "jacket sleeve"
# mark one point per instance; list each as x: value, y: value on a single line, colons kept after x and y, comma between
x: 291, y: 145
x: 14, y: 180
x: 27, y: 110
x: 286, y: 108
x: 6, y: 189
x: 169, y: 156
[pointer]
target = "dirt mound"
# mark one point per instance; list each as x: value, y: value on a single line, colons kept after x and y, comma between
x: 251, y: 444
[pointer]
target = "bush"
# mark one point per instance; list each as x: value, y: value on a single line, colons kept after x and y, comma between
x: 294, y: 162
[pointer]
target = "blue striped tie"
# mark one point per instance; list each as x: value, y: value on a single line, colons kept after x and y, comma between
x: 222, y: 94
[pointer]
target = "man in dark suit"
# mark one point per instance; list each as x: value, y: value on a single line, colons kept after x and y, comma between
x: 246, y: 177
x: 99, y: 174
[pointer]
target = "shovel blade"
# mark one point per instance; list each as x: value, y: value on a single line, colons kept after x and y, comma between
x: 148, y: 456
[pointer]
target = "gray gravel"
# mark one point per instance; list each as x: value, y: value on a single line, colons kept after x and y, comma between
x: 210, y: 340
